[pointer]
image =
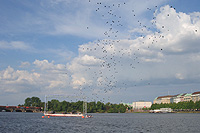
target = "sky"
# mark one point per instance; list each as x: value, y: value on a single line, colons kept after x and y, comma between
x: 109, y: 51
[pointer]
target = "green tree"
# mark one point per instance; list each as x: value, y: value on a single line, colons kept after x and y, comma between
x: 55, y: 105
x: 91, y: 107
x: 179, y: 105
x: 100, y: 107
x: 34, y: 102
x: 122, y: 108
x: 28, y: 102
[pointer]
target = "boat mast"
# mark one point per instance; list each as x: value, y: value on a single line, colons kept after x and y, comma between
x: 84, y: 107
x: 45, y: 104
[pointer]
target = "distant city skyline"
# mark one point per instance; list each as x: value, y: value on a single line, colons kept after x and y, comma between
x: 111, y: 51
x: 183, y: 97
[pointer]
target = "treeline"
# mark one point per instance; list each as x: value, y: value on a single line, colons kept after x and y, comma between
x: 92, y: 107
x: 33, y: 102
x: 65, y: 106
x: 100, y: 107
x: 180, y: 105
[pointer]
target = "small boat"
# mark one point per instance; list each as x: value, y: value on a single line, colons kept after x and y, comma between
x: 63, y: 115
x: 161, y: 110
x: 89, y: 116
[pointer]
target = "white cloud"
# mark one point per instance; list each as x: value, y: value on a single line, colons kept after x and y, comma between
x: 78, y: 81
x: 60, y: 53
x: 195, y: 57
x: 165, y: 54
x: 14, y: 45
x: 179, y: 76
x: 89, y: 60
x: 19, y: 76
x: 25, y: 64
x: 157, y: 56
x: 80, y: 18
x: 143, y: 31
x: 179, y: 30
x: 50, y: 76
x: 46, y: 65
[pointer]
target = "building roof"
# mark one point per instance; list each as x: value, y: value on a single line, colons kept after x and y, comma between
x: 188, y: 94
x: 198, y: 92
x: 127, y: 104
x: 142, y: 102
x: 183, y: 94
x: 180, y: 95
x: 176, y: 95
x: 165, y: 96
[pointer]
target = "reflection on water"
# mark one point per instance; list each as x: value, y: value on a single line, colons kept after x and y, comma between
x: 132, y: 122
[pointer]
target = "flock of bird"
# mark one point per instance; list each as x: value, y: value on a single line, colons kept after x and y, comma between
x: 110, y: 57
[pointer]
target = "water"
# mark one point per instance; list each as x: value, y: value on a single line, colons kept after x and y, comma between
x: 18, y: 122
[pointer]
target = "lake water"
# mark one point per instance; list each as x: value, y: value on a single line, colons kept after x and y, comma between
x: 18, y: 122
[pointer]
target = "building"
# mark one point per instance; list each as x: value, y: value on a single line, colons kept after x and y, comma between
x: 157, y: 100
x: 187, y: 97
x: 175, y: 99
x: 196, y: 96
x: 163, y: 99
x: 178, y: 98
x: 141, y: 105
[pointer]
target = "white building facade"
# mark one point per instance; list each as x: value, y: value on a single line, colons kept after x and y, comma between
x: 141, y: 104
x: 196, y: 96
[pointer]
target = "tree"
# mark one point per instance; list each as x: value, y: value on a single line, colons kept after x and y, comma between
x: 28, y: 102
x: 100, y: 107
x: 179, y: 105
x: 92, y: 107
x: 55, y: 105
x: 197, y: 105
x: 34, y: 102
x: 122, y: 108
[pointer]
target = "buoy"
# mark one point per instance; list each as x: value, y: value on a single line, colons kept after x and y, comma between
x: 82, y: 116
x: 48, y: 116
x: 42, y: 116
